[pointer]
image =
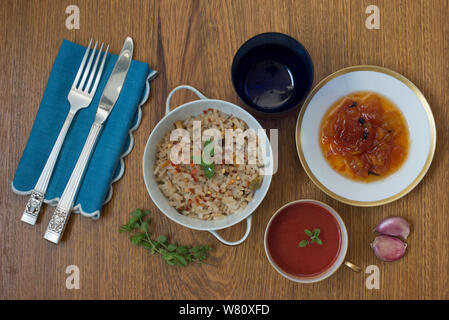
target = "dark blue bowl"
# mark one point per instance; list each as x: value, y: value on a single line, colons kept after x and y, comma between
x: 272, y: 72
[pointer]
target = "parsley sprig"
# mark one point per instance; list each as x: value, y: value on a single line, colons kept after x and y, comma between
x: 313, y: 238
x: 208, y: 167
x: 173, y: 255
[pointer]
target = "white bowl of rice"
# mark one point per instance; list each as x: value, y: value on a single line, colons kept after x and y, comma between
x: 185, y: 192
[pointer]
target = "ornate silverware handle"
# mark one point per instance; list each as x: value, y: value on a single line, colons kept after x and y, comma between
x: 61, y: 215
x: 34, y: 204
x: 80, y: 96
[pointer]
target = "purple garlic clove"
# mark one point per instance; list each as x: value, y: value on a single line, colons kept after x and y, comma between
x: 388, y: 248
x: 394, y: 226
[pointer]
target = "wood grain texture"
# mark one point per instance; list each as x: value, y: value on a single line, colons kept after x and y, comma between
x: 193, y: 42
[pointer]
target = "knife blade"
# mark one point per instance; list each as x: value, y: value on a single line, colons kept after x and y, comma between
x: 115, y: 82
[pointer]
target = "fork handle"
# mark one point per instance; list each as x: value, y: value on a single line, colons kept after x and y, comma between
x: 61, y: 215
x: 34, y: 204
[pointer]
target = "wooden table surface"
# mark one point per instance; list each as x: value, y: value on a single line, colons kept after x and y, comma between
x: 193, y: 42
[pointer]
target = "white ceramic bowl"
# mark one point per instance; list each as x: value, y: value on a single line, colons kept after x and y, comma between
x: 181, y: 113
x: 407, y: 98
x: 338, y: 261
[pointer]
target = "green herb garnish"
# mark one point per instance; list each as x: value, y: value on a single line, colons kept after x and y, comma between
x: 174, y: 255
x: 208, y: 168
x: 313, y: 238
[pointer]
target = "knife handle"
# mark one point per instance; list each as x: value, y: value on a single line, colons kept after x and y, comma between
x: 34, y: 204
x: 61, y: 215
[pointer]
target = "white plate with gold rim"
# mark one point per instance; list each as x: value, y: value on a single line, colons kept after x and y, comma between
x: 416, y: 111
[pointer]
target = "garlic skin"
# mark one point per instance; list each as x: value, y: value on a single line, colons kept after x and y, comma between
x: 388, y: 248
x: 394, y: 226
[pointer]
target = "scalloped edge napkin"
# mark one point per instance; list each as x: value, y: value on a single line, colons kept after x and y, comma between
x: 115, y: 142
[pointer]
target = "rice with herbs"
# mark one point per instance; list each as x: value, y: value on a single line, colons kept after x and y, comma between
x: 190, y: 191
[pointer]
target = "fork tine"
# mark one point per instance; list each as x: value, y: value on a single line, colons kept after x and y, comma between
x: 86, y: 71
x: 100, y: 71
x: 92, y: 73
x: 80, y: 70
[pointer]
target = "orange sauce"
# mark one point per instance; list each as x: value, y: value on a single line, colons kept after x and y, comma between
x: 364, y: 136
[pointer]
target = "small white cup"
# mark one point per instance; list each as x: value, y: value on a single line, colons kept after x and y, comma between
x: 336, y: 264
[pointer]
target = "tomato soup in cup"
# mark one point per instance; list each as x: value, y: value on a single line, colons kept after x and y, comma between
x: 306, y: 241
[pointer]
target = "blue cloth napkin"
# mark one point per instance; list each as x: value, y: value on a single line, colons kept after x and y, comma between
x: 115, y: 141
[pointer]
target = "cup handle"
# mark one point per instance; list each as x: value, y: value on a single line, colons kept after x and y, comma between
x: 353, y: 267
x: 196, y: 91
x: 234, y: 243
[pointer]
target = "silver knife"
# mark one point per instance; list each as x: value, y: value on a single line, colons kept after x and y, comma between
x: 110, y: 95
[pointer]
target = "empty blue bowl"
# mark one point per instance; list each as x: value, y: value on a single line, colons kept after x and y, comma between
x: 272, y: 72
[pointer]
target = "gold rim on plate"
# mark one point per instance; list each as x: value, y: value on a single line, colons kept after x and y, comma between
x: 418, y: 94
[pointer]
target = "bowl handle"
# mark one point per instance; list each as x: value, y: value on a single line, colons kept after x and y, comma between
x: 196, y: 91
x: 234, y: 243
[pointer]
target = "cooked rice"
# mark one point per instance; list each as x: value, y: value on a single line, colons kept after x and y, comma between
x: 188, y: 190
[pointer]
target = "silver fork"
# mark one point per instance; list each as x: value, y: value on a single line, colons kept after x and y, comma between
x: 80, y: 97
